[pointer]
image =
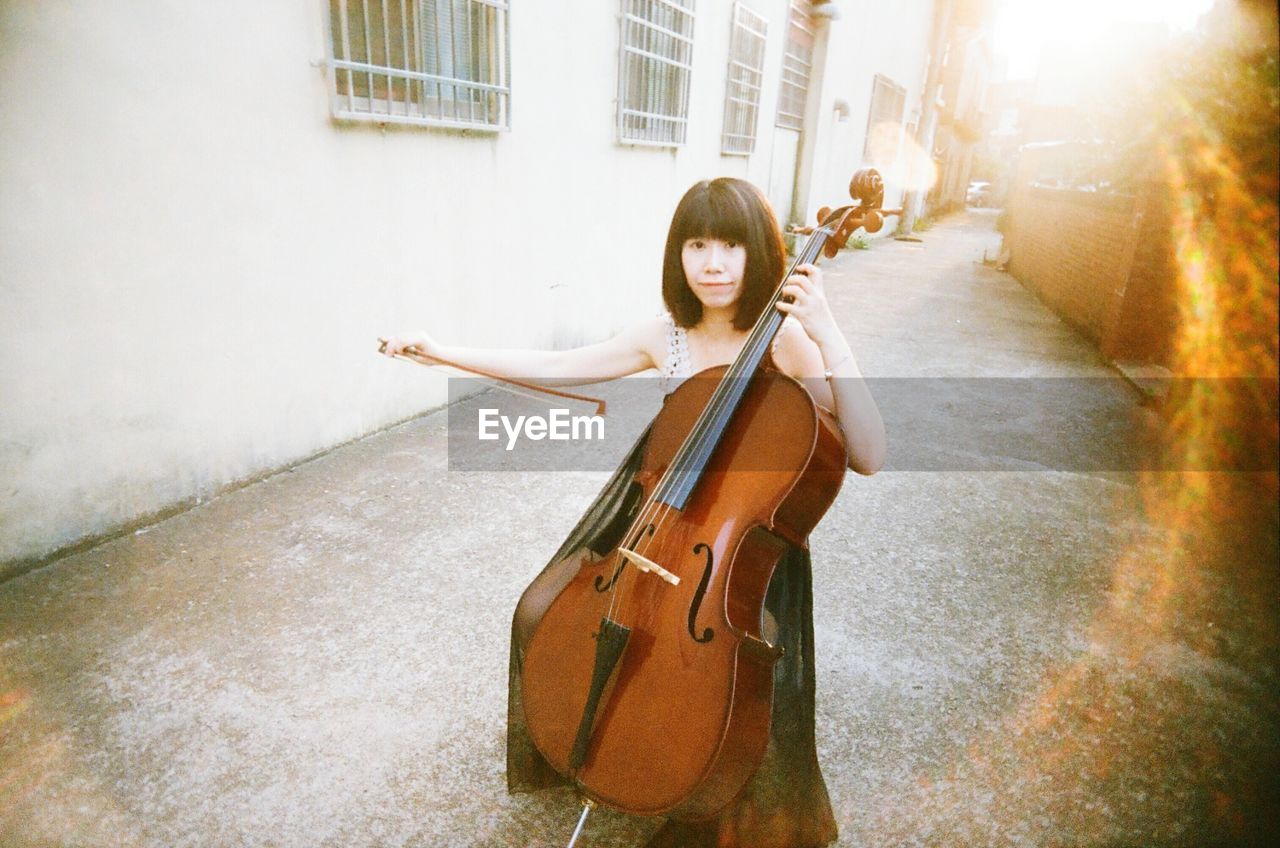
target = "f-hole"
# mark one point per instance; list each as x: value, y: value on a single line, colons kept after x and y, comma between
x: 599, y: 583
x: 707, y: 633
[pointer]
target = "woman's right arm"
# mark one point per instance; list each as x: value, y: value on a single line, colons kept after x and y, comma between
x: 629, y: 352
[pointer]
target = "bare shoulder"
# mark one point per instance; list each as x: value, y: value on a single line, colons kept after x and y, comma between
x: 648, y: 335
x: 636, y: 347
x: 629, y: 351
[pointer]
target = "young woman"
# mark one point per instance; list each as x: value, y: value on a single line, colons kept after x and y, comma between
x: 724, y: 257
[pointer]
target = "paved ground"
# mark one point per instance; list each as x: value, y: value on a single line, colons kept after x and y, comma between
x: 1040, y: 655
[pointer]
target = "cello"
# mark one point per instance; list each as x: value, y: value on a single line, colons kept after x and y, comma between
x: 648, y: 680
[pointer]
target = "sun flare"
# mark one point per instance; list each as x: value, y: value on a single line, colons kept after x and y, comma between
x: 1023, y: 27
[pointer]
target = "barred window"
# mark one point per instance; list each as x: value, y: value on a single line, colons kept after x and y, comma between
x: 653, y: 71
x: 797, y: 64
x: 888, y: 102
x: 742, y: 90
x: 430, y: 62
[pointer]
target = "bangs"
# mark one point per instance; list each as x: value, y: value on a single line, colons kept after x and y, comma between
x: 716, y: 212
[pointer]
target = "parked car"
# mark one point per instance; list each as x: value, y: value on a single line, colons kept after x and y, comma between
x: 979, y: 193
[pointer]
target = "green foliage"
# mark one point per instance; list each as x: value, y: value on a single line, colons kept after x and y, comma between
x: 859, y: 243
x: 923, y: 224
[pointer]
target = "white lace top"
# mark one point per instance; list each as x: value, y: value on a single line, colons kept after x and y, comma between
x: 676, y: 368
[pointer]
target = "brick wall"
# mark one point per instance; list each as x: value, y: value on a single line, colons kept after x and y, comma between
x: 1100, y: 262
x: 1148, y: 316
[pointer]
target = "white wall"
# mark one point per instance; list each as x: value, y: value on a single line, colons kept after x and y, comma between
x: 195, y: 260
x: 869, y: 38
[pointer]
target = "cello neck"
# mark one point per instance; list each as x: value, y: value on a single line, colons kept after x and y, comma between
x: 691, y: 459
x: 770, y: 320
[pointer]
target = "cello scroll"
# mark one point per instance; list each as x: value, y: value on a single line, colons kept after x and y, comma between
x: 867, y: 188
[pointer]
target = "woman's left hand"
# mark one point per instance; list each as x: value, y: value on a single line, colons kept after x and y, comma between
x: 804, y: 299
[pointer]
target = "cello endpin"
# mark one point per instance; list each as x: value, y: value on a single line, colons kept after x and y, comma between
x: 587, y: 804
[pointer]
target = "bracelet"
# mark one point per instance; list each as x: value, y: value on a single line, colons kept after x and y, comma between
x: 826, y: 375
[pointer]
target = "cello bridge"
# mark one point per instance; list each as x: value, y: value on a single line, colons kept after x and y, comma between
x: 646, y: 564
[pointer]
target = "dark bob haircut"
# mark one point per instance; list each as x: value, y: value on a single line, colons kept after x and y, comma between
x: 731, y: 210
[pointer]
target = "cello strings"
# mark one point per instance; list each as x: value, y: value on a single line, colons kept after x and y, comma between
x: 716, y: 407
x: 681, y: 469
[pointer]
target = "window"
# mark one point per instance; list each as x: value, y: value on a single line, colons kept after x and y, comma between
x: 653, y: 71
x: 432, y: 62
x: 797, y: 64
x: 742, y: 90
x: 888, y: 100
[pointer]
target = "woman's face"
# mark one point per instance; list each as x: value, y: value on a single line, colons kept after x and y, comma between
x: 714, y: 270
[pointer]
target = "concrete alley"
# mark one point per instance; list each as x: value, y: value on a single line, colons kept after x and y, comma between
x: 1005, y: 656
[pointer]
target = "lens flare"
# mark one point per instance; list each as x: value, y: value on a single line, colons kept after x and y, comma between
x: 900, y: 159
x: 1171, y: 705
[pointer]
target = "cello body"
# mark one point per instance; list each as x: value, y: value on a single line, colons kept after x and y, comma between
x: 679, y: 722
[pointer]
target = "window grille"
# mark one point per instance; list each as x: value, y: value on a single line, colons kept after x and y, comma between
x: 653, y: 71
x: 797, y: 64
x: 742, y: 90
x: 888, y: 102
x: 430, y: 62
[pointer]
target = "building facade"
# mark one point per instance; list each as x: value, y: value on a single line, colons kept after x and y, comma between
x: 210, y: 211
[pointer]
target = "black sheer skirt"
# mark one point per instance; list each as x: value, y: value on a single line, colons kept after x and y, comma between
x: 785, y: 805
